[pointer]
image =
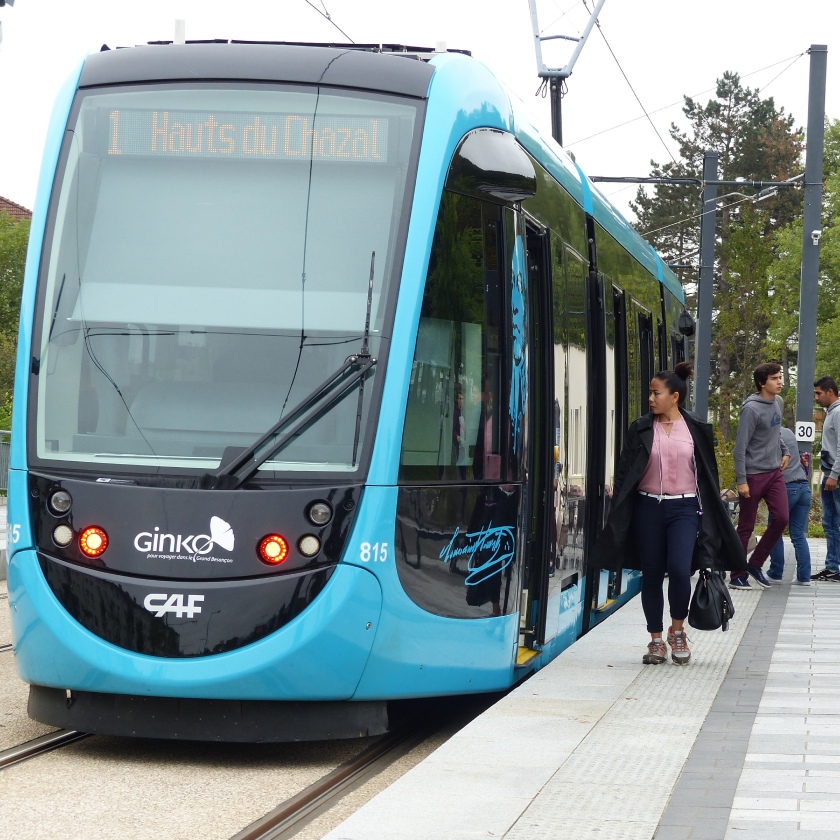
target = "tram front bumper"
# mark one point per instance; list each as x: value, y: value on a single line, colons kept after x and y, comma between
x: 320, y: 655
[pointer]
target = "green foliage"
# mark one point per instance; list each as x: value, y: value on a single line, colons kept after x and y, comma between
x: 725, y: 461
x: 14, y: 236
x: 759, y: 244
x: 784, y: 274
x: 8, y: 353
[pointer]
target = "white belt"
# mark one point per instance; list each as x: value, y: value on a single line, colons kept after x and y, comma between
x: 660, y: 498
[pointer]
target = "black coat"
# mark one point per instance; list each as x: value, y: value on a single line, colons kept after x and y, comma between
x: 718, y: 545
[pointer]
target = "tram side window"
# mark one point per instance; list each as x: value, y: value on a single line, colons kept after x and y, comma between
x: 453, y: 421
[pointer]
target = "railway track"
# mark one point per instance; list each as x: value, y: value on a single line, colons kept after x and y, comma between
x: 291, y: 816
x: 39, y: 746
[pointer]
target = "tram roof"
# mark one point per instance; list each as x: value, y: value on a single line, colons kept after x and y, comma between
x: 390, y: 72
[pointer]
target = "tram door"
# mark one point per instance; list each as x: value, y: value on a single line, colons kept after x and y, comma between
x: 617, y: 419
x: 539, y: 568
x: 646, y: 357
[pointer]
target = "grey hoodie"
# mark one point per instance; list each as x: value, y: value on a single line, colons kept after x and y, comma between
x: 759, y: 446
x: 829, y: 456
x: 794, y: 472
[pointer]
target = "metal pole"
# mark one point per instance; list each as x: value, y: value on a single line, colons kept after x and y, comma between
x: 556, y: 110
x: 705, y: 287
x: 811, y: 231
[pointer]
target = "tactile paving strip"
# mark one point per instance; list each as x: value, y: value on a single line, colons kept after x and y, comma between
x: 616, y: 783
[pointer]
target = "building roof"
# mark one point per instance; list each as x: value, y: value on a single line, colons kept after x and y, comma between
x: 14, y: 210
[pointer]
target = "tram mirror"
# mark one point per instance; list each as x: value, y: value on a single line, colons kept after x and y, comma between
x: 686, y: 324
x: 490, y: 164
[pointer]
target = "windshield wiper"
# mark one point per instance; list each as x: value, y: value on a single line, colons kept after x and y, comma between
x: 327, y: 394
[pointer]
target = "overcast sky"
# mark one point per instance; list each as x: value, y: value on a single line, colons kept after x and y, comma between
x: 667, y: 48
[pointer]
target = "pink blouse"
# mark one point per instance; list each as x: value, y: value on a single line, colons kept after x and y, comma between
x: 670, y: 470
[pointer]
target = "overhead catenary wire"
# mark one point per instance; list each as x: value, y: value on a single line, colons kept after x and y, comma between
x: 792, y: 59
x: 615, y: 58
x: 557, y: 20
x: 326, y: 14
x: 753, y: 198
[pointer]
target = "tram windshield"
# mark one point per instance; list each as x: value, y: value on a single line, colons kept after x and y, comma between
x: 207, y: 266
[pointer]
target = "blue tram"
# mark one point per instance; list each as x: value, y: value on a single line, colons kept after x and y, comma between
x: 325, y: 359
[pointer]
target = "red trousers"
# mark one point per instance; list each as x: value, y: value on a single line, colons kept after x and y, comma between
x: 769, y: 486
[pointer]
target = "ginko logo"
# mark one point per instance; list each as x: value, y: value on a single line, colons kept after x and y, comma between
x: 221, y: 534
x: 160, y: 604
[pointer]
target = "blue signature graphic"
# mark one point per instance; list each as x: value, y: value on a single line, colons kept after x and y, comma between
x: 519, y: 373
x: 500, y: 543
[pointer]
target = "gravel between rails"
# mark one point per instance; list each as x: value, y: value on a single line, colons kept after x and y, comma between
x: 159, y: 790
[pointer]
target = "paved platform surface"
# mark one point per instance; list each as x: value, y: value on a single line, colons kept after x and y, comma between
x: 742, y: 744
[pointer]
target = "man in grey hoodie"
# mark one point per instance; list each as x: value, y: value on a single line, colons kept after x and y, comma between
x: 825, y: 393
x: 760, y: 456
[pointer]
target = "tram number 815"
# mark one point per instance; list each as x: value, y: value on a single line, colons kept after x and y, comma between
x: 375, y: 552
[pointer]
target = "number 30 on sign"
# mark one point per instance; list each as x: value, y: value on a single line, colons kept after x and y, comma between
x: 805, y: 430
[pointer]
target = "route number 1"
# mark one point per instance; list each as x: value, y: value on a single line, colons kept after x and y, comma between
x: 805, y: 430
x: 375, y: 552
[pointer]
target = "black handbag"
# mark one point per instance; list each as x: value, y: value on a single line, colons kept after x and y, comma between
x: 711, y: 607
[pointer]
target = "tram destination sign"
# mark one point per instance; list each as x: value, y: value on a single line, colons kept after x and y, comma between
x: 244, y: 136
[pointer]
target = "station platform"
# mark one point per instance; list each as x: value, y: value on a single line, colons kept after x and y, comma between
x: 742, y: 744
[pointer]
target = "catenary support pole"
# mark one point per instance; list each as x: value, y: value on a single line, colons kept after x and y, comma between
x: 811, y: 232
x: 556, y: 110
x: 705, y: 287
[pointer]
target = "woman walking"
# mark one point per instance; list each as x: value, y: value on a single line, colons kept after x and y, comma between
x: 667, y: 515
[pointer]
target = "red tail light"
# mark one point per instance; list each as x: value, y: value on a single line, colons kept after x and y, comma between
x: 273, y: 549
x: 93, y: 541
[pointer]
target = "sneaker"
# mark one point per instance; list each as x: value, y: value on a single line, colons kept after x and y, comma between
x: 678, y: 641
x: 739, y: 583
x: 798, y: 582
x: 657, y: 653
x: 826, y: 574
x: 774, y: 581
x: 758, y: 576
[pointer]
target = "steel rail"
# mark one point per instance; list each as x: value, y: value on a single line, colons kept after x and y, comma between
x: 39, y: 746
x: 4, y: 648
x: 285, y: 820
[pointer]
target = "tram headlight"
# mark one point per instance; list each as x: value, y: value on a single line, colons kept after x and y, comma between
x: 320, y: 513
x: 63, y: 535
x: 60, y: 502
x: 93, y: 542
x: 273, y: 549
x: 309, y: 545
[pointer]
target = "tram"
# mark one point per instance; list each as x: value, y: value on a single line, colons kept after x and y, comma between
x: 325, y: 359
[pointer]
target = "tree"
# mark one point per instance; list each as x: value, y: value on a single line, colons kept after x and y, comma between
x: 754, y: 141
x: 784, y: 276
x: 14, y: 237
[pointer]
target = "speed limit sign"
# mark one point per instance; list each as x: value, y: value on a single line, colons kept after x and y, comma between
x: 805, y: 430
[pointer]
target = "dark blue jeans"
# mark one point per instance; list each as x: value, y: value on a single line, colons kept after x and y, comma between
x: 799, y: 503
x: 665, y: 532
x: 831, y: 526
